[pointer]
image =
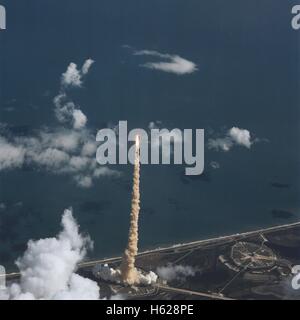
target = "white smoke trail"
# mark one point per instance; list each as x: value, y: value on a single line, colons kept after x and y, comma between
x: 129, y: 272
x: 106, y: 273
x: 176, y: 272
x: 48, y: 268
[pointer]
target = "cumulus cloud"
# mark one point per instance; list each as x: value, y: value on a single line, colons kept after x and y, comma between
x: 224, y: 144
x: 176, y: 272
x: 104, y: 172
x: 67, y: 112
x: 80, y: 119
x: 65, y: 109
x: 241, y: 137
x: 171, y: 63
x: 84, y: 181
x: 51, y: 158
x: 59, y: 151
x: 86, y: 66
x: 48, y: 268
x: 62, y: 151
x: 89, y: 148
x: 11, y: 156
x: 234, y: 136
x: 73, y: 76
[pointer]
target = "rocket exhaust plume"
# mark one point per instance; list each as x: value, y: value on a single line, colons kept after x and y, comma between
x: 129, y: 272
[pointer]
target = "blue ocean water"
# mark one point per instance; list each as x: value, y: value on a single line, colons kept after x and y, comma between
x: 247, y: 56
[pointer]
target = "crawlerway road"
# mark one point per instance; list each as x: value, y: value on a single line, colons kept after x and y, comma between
x: 237, y: 236
x: 195, y: 293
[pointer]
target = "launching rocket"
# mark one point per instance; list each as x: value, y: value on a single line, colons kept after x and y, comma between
x: 129, y: 272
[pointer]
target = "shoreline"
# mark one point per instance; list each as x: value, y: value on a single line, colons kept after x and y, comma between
x: 182, y: 245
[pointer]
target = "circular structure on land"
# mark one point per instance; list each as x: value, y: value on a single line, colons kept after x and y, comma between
x: 252, y: 256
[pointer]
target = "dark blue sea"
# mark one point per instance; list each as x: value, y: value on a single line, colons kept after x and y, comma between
x: 247, y: 55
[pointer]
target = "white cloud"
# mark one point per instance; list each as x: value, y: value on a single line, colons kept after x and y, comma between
x: 48, y: 268
x: 65, y: 110
x: 105, y: 172
x: 80, y: 119
x: 86, y: 66
x: 73, y: 76
x: 88, y: 148
x: 172, y: 64
x: 224, y: 144
x: 67, y: 140
x: 58, y: 151
x: 84, y: 181
x: 79, y: 289
x: 11, y: 156
x: 176, y: 272
x: 234, y: 136
x: 240, y: 136
x: 79, y: 163
x: 51, y: 158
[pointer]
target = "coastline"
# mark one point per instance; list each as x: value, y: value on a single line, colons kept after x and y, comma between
x: 180, y: 246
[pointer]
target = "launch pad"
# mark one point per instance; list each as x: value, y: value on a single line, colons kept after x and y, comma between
x: 252, y: 256
x: 112, y: 274
x: 112, y: 278
x: 213, y: 279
